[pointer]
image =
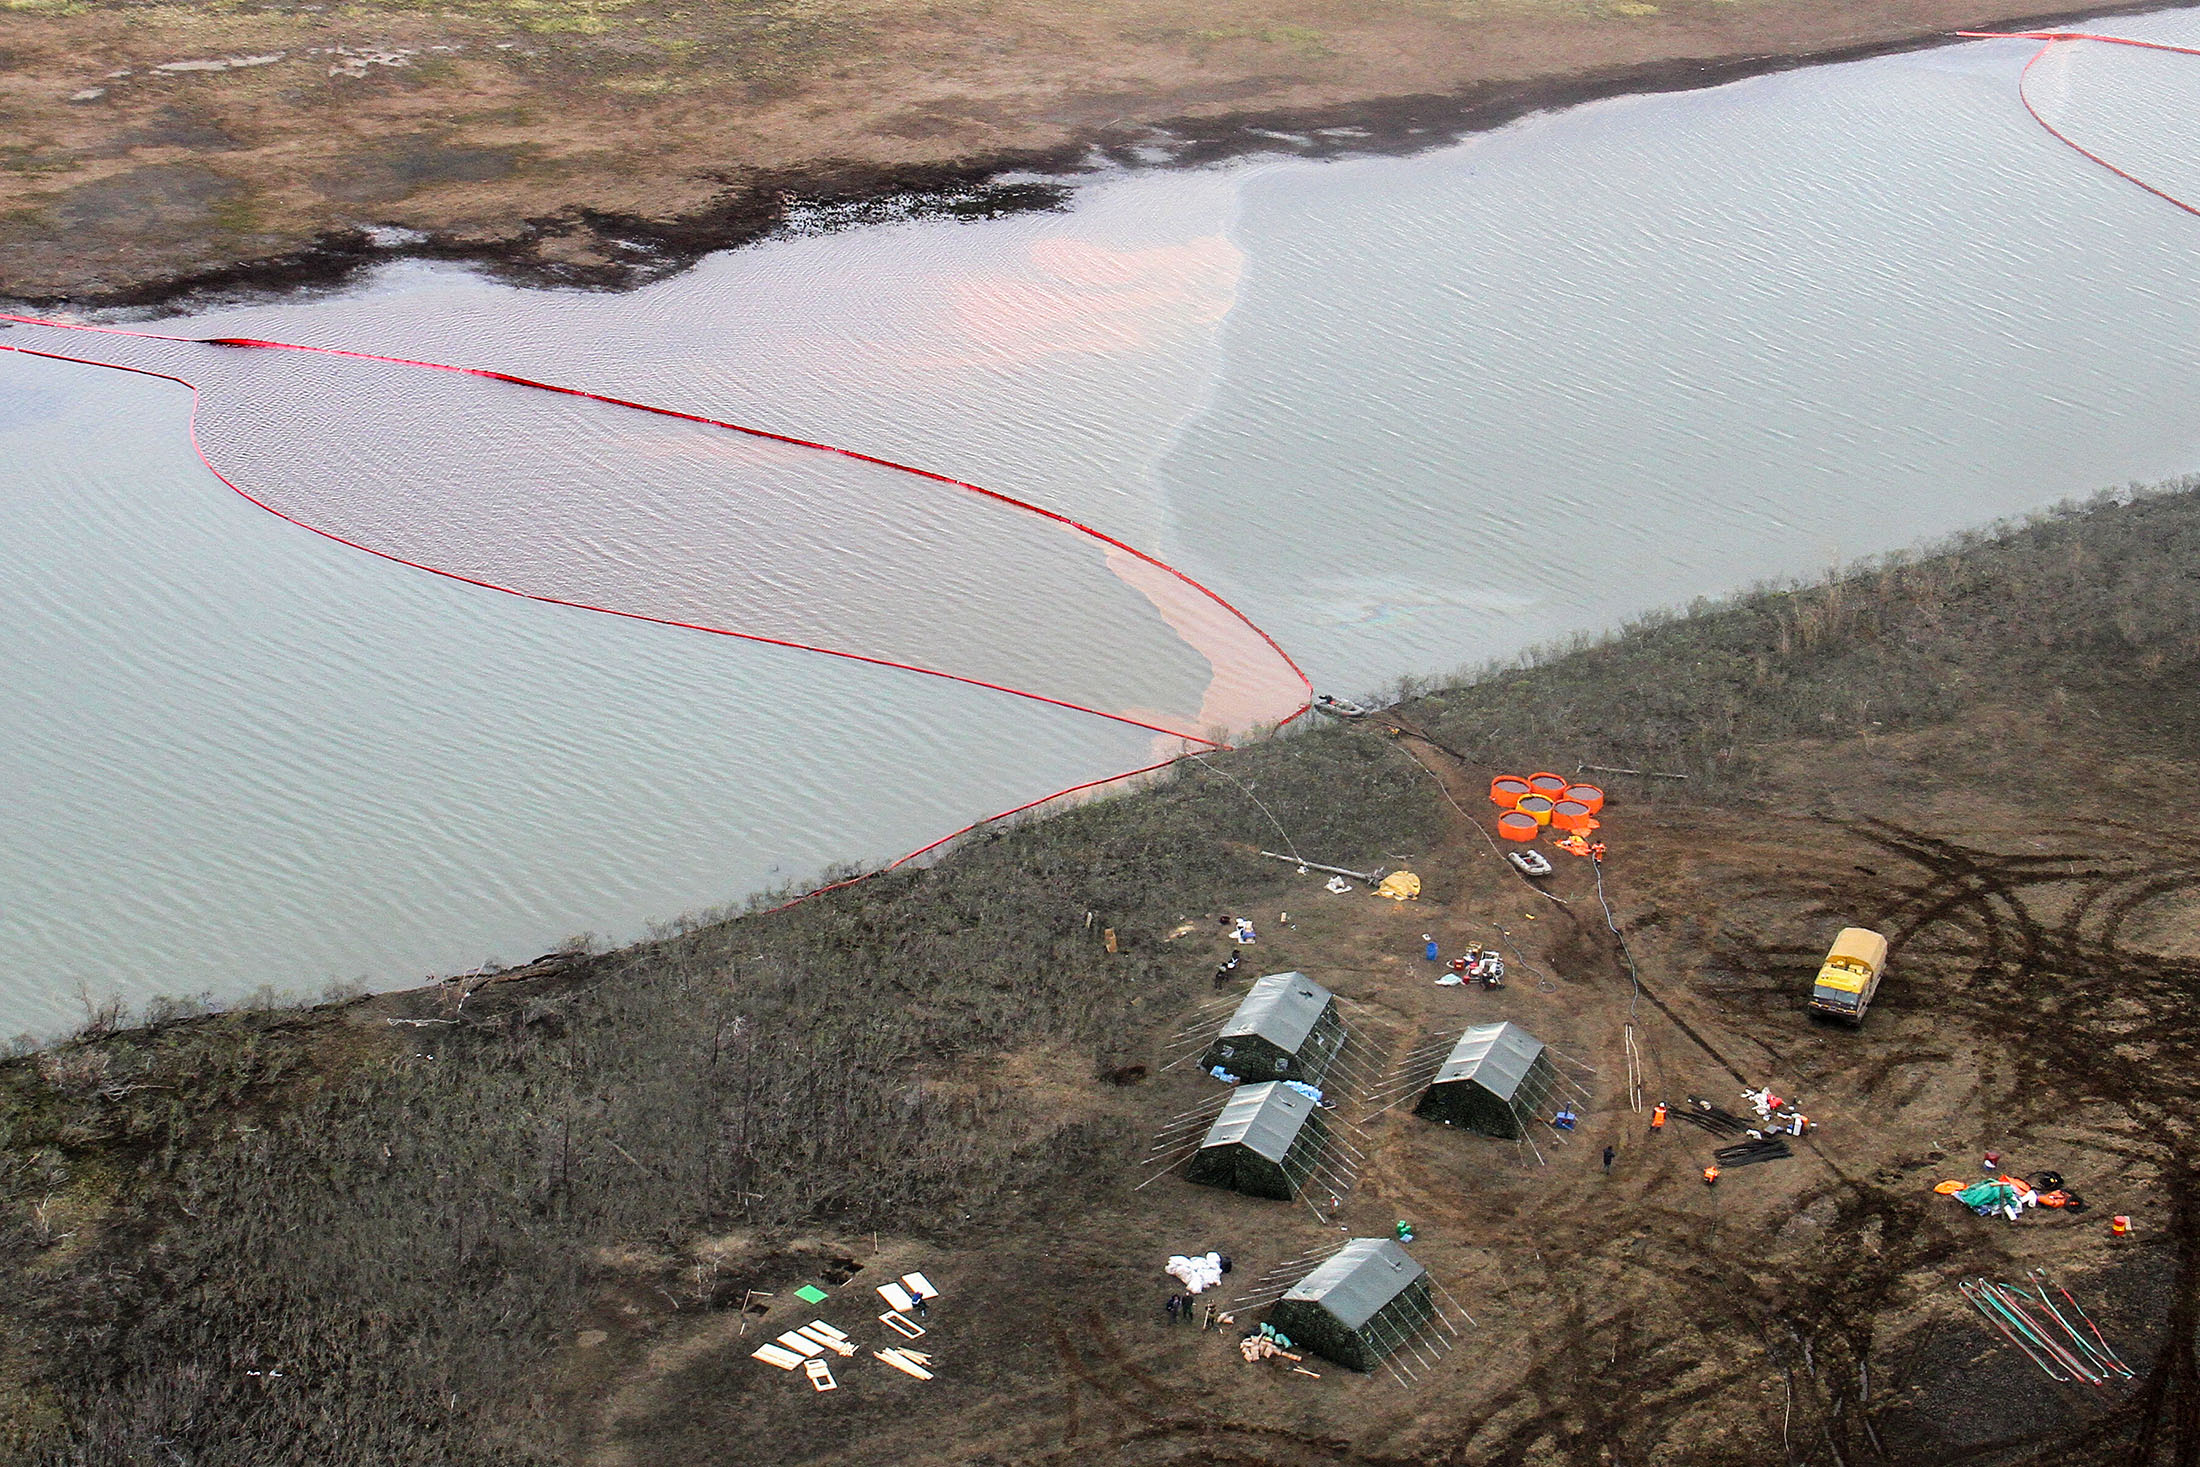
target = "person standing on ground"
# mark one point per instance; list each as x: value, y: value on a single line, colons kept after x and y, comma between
x: 1657, y: 1118
x: 1609, y: 1153
x: 1173, y: 1305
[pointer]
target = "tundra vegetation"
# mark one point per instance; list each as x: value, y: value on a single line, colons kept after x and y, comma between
x: 2081, y: 600
x: 360, y: 1233
x: 157, y: 148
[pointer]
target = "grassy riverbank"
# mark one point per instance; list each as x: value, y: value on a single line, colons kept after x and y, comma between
x: 517, y: 1224
x: 156, y: 148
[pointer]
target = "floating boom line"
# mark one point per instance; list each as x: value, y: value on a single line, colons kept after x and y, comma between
x: 1193, y: 742
x: 2051, y: 40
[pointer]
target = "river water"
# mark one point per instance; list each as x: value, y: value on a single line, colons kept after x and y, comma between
x: 1408, y: 414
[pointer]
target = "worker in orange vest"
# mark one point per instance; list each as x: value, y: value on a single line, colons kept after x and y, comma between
x: 1710, y: 1175
x: 1657, y: 1116
x: 1596, y: 851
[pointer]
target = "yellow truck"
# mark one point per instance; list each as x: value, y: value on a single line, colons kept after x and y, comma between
x: 1850, y: 974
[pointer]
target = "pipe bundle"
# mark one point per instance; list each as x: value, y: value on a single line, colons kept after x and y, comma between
x: 1771, y: 1148
x: 2034, y: 1324
x: 1703, y: 1115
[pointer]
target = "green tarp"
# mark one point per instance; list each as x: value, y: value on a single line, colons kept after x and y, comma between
x: 1987, y: 1194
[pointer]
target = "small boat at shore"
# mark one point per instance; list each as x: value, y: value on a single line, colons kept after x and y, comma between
x: 1530, y: 863
x: 1339, y: 707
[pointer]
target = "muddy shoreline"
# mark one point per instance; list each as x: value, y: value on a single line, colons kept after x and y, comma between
x: 596, y: 249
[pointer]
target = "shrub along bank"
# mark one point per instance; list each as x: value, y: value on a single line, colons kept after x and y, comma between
x: 401, y: 1220
x: 2099, y: 599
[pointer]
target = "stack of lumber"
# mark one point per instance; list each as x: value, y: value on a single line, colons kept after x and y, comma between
x: 908, y: 1362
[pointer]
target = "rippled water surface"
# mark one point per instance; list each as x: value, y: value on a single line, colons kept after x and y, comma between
x: 1406, y: 413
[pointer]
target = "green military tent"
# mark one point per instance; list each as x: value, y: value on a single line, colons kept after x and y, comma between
x: 1364, y: 1301
x: 1266, y: 1142
x: 1495, y: 1080
x: 1287, y: 1028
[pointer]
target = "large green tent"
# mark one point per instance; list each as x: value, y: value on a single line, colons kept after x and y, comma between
x: 1495, y: 1080
x: 1265, y: 1143
x: 1364, y: 1301
x: 1287, y: 1028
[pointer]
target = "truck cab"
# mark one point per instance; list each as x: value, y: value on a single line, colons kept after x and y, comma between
x: 1850, y: 975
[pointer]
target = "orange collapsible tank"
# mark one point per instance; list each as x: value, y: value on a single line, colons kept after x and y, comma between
x: 1550, y: 786
x: 1513, y: 825
x: 1535, y: 807
x: 1588, y: 794
x: 1506, y: 790
x: 1572, y: 815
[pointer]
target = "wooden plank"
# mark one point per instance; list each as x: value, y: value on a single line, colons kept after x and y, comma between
x: 773, y: 1355
x: 919, y: 1285
x: 820, y: 1327
x: 905, y: 1366
x: 896, y: 1297
x: 838, y: 1347
x: 799, y: 1344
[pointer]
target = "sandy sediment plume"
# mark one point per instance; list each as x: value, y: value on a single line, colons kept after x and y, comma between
x: 594, y: 503
x: 1254, y: 681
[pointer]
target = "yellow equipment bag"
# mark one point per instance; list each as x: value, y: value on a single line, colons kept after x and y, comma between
x: 1400, y: 886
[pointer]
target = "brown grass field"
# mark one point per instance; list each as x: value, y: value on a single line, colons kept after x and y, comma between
x: 150, y: 148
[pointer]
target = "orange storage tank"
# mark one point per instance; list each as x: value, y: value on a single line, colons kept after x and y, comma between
x: 1506, y: 790
x: 1536, y: 808
x: 1572, y: 815
x: 1550, y: 786
x: 1513, y: 825
x: 1588, y: 794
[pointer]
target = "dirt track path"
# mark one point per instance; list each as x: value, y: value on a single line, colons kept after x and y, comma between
x: 1825, y: 1358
